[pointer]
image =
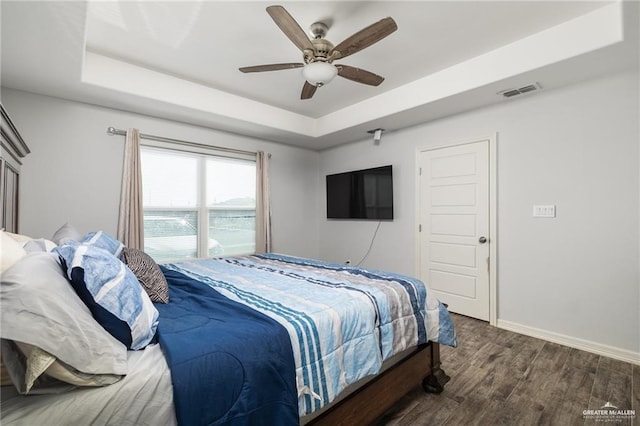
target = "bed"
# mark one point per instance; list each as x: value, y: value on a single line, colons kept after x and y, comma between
x: 261, y: 339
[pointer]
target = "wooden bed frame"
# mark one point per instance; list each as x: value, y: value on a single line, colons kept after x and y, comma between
x: 369, y: 403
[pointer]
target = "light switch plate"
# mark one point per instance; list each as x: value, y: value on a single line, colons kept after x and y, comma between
x: 547, y: 210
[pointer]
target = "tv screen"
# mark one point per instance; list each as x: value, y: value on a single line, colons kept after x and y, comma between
x: 361, y: 194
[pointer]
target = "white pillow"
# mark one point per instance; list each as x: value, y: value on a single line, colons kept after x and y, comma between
x: 38, y: 306
x: 11, y: 251
x: 65, y: 233
x: 34, y: 371
x: 39, y: 244
x: 19, y: 237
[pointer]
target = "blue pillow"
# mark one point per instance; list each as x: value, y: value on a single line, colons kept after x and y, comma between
x: 111, y: 292
x: 104, y: 241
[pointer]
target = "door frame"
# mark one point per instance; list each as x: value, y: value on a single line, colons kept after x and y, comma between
x: 493, y: 210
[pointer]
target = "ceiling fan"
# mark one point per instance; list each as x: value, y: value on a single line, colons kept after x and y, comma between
x: 318, y: 53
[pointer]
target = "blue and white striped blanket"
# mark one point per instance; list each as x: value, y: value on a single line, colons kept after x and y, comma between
x: 343, y: 321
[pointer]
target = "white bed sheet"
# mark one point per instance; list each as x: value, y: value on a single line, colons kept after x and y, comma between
x: 143, y: 397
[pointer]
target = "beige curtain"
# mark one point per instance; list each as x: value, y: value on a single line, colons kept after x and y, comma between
x: 263, y: 208
x: 130, y: 220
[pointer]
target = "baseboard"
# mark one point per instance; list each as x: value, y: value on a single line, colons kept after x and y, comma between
x: 573, y: 342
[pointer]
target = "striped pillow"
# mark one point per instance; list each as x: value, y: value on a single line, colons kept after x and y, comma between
x: 111, y: 292
x: 104, y: 241
x: 148, y: 273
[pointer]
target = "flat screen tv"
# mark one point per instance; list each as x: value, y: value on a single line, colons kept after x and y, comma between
x: 361, y: 194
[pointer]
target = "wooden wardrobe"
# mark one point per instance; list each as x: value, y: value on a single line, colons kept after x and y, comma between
x: 12, y: 150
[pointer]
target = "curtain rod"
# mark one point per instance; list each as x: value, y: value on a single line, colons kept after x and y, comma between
x: 113, y: 131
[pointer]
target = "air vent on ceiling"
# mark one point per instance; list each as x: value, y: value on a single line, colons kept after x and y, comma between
x: 519, y: 91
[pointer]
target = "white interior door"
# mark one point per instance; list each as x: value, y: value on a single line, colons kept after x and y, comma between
x: 454, y: 226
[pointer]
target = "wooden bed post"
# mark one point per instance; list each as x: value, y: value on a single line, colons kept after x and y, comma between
x: 435, y: 381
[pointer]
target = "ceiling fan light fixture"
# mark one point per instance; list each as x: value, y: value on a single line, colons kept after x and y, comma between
x: 319, y: 73
x: 319, y: 53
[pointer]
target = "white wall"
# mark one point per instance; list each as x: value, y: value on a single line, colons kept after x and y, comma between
x: 576, y: 147
x: 73, y: 172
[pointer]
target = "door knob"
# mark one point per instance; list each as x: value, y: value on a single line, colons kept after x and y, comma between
x: 482, y: 240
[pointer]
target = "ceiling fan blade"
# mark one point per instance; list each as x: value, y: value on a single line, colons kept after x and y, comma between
x: 308, y: 90
x: 359, y: 75
x: 366, y: 37
x: 272, y: 67
x: 290, y: 27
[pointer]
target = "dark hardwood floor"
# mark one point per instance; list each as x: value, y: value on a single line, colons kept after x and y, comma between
x: 503, y: 378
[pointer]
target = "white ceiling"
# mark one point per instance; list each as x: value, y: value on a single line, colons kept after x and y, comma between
x: 180, y: 60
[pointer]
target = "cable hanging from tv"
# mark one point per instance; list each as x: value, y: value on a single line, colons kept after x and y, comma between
x: 370, y: 245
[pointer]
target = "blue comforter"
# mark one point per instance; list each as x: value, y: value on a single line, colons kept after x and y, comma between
x: 343, y: 322
x: 230, y: 364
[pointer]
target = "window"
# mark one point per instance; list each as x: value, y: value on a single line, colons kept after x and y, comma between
x: 197, y: 205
